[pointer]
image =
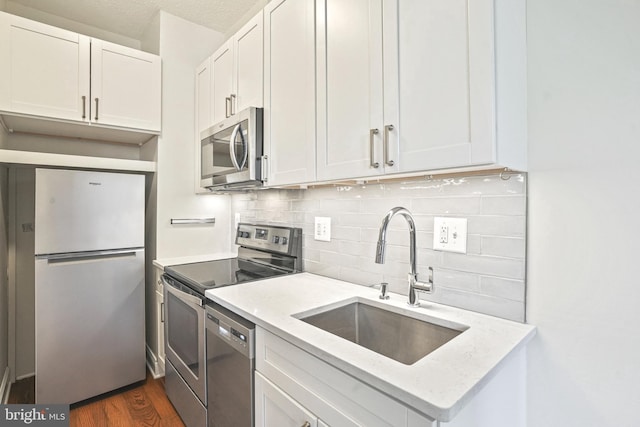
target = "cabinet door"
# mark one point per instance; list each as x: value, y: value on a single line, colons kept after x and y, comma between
x: 248, y: 65
x: 125, y: 86
x: 222, y: 82
x: 439, y: 81
x: 350, y: 97
x: 44, y: 71
x: 289, y: 93
x: 204, y: 117
x: 276, y: 409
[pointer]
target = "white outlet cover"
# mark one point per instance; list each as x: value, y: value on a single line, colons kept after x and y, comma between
x: 322, y: 228
x: 450, y: 234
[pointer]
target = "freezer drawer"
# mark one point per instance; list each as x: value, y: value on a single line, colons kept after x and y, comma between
x: 79, y: 211
x: 90, y: 336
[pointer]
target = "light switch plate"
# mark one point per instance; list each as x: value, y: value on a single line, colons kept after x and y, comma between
x: 450, y: 234
x: 322, y: 229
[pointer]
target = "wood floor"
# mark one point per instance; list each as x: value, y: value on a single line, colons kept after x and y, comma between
x: 142, y: 404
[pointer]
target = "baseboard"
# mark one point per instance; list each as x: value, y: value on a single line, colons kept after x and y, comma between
x: 29, y: 375
x: 5, y: 386
x: 154, y: 365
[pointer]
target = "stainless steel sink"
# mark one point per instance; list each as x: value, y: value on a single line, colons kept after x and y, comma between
x: 391, y: 334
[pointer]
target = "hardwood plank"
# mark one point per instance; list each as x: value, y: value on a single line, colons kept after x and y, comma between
x: 23, y: 391
x: 143, y: 404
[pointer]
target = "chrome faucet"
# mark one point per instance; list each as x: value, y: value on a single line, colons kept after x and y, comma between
x: 414, y: 284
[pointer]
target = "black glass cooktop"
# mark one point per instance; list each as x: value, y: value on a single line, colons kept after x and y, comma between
x: 201, y: 276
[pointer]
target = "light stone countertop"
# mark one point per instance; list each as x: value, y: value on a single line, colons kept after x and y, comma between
x: 166, y: 262
x: 439, y: 385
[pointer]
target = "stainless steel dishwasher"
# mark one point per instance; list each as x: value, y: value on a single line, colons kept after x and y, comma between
x: 230, y: 366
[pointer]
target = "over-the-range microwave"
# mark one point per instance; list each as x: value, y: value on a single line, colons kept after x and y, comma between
x: 231, y: 152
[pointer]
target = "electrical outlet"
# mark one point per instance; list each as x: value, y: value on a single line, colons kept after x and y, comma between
x: 322, y: 229
x: 444, y: 233
x: 450, y: 234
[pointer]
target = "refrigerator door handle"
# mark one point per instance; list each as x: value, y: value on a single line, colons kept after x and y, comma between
x: 72, y: 256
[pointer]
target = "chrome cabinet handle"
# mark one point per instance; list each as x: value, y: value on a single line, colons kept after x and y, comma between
x: 227, y: 107
x: 161, y: 312
x: 387, y: 161
x: 306, y: 424
x: 233, y: 103
x: 232, y: 148
x: 372, y: 132
x: 97, y: 109
x: 84, y: 107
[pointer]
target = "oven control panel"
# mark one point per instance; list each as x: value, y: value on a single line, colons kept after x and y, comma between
x: 268, y: 237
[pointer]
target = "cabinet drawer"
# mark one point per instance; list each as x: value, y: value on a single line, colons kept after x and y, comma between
x: 334, y: 396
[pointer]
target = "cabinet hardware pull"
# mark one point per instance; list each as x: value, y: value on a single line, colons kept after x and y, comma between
x: 264, y: 171
x: 372, y: 132
x: 387, y: 129
x: 97, y: 109
x: 234, y: 103
x: 84, y: 107
x: 227, y: 108
x: 306, y: 424
x: 161, y: 312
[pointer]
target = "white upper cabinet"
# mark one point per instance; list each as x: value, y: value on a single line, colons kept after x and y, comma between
x: 248, y: 65
x: 439, y: 82
x: 289, y: 92
x: 236, y: 69
x: 50, y: 73
x: 441, y: 87
x: 350, y: 89
x: 204, y: 112
x: 125, y: 86
x: 44, y: 70
x: 222, y: 83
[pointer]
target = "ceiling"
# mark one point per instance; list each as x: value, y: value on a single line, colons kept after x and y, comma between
x: 131, y: 17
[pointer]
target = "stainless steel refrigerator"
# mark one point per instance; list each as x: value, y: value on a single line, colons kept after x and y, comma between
x: 89, y: 290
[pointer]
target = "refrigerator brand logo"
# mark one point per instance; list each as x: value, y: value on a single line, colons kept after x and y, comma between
x: 95, y: 183
x: 42, y: 415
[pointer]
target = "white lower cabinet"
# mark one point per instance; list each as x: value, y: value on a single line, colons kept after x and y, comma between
x: 275, y: 408
x: 294, y: 388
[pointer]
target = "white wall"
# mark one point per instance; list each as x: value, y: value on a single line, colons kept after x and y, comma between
x: 584, y: 205
x: 183, y: 46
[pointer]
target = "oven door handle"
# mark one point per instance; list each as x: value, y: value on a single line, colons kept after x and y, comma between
x: 232, y: 148
x: 183, y: 296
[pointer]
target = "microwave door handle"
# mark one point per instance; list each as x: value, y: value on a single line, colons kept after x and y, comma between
x: 232, y: 148
x: 245, y: 147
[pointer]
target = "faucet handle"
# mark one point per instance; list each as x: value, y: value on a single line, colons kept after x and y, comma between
x: 383, y: 291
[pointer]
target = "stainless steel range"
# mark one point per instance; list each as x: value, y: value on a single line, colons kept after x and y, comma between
x: 209, y: 350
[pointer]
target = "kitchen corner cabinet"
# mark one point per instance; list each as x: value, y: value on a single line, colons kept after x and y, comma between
x: 51, y: 73
x: 289, y: 92
x: 236, y: 71
x: 293, y: 387
x: 443, y: 86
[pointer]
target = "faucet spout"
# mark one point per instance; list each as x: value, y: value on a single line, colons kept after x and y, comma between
x: 414, y: 284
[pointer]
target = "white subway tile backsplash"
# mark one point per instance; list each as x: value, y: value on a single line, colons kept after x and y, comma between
x: 489, y: 278
x: 511, y: 247
x: 441, y: 206
x: 504, y: 205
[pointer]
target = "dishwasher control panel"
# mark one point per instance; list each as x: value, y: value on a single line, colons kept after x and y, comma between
x: 231, y: 328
